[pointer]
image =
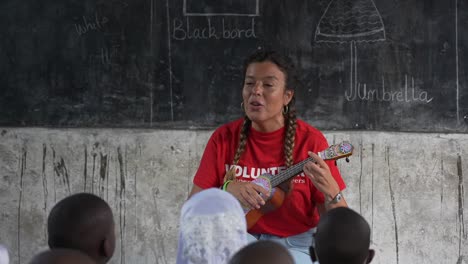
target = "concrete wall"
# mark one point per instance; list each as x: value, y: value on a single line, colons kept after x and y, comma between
x: 410, y: 187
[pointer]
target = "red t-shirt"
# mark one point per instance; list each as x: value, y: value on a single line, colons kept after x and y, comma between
x: 264, y: 153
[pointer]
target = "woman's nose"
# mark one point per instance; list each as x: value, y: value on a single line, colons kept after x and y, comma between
x: 257, y: 88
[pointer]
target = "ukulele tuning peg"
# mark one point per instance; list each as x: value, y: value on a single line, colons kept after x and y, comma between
x: 347, y: 159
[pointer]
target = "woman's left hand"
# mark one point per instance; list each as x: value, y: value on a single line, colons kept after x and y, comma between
x: 320, y: 175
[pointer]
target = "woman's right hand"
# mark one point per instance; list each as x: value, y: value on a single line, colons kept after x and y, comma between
x: 248, y: 194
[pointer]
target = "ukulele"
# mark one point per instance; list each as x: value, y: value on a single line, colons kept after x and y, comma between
x: 270, y: 182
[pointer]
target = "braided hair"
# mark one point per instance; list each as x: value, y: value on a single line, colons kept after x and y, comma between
x: 286, y: 66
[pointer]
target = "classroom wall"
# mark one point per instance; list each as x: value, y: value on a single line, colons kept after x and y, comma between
x: 409, y: 186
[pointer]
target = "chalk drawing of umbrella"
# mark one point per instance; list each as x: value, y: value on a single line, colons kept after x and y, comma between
x: 350, y: 21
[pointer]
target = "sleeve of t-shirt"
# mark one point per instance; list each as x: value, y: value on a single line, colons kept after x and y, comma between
x: 318, y: 196
x: 207, y: 174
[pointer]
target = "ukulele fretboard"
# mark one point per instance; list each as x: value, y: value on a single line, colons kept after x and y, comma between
x: 289, y: 172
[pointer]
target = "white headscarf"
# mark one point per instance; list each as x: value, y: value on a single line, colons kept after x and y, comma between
x: 4, y: 259
x: 212, y: 228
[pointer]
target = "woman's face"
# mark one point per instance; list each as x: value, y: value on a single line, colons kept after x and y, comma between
x: 264, y: 96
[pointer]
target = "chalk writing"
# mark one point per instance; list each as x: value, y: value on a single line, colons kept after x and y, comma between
x: 88, y: 25
x: 405, y: 94
x: 352, y: 21
x: 183, y: 31
x: 110, y: 52
x: 107, y: 55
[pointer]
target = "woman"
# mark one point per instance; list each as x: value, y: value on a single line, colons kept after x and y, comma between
x: 268, y: 139
x: 204, y: 216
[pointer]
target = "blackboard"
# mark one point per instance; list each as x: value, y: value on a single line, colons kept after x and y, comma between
x: 365, y: 64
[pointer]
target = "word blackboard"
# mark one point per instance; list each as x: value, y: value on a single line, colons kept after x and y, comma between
x: 365, y: 64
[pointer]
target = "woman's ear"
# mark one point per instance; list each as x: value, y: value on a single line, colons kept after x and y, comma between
x: 288, y: 95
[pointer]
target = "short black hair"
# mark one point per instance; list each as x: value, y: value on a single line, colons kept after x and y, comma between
x: 343, y: 236
x: 262, y: 252
x: 79, y: 221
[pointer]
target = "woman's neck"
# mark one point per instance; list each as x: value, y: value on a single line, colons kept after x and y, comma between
x: 270, y: 126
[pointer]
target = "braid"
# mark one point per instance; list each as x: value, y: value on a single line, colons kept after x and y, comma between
x: 230, y: 175
x: 290, y: 137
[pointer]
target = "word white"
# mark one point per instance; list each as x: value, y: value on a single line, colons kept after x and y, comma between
x: 210, y: 32
x: 88, y: 26
x: 246, y: 172
x: 406, y: 95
